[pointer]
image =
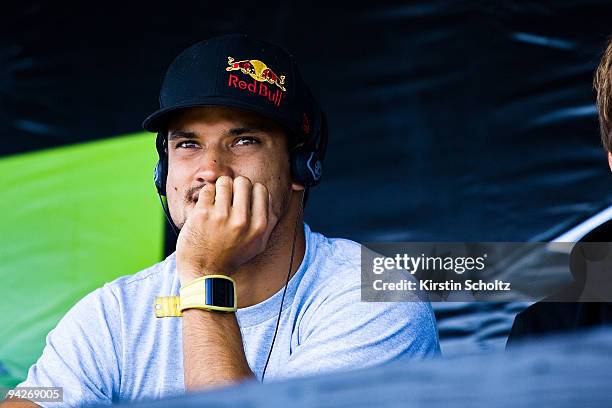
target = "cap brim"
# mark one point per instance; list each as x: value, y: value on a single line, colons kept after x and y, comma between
x: 157, y: 121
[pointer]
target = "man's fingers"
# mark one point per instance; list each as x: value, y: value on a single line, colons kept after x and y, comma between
x: 241, y: 203
x: 206, y: 195
x: 259, y: 208
x: 223, y: 196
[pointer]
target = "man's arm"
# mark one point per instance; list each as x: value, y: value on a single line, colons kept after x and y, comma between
x: 81, y: 353
x: 212, y: 349
x: 18, y: 403
x: 230, y: 224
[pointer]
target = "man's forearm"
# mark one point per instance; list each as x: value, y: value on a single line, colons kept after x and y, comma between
x: 213, y: 354
x: 18, y: 403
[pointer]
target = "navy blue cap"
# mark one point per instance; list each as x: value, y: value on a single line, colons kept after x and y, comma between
x: 241, y: 72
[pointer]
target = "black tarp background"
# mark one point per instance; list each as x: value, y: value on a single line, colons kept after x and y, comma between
x: 448, y: 120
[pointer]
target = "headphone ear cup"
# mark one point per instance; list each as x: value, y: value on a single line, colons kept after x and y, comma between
x: 306, y: 167
x: 159, y: 176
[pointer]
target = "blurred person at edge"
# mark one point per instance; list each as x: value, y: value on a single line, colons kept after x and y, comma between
x: 557, y: 314
x: 240, y: 140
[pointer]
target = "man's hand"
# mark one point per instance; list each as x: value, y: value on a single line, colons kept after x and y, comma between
x: 18, y: 403
x: 229, y: 225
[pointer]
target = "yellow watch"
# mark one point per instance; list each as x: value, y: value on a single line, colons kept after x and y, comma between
x: 210, y: 292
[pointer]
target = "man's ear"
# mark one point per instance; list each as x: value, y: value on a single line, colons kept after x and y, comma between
x: 610, y: 160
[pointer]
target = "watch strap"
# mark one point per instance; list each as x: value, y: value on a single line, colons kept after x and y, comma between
x: 167, y: 306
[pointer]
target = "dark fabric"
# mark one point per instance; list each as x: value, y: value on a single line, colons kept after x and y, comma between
x: 544, y: 318
x: 550, y: 316
x: 449, y: 121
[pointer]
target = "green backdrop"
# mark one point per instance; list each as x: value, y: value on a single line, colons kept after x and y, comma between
x: 73, y: 218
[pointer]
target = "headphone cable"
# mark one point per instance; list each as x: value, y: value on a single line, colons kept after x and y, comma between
x: 263, y: 375
x: 167, y: 214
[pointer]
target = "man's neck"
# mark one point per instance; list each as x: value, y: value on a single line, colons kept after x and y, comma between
x: 266, y: 274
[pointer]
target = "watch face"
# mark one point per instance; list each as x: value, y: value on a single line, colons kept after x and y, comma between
x: 219, y: 292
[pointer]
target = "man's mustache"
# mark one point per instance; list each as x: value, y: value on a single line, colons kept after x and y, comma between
x: 192, y: 193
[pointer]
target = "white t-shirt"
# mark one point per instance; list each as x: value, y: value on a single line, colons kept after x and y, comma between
x: 110, y: 347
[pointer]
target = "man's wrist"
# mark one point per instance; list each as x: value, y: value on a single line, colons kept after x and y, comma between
x: 205, y: 314
x: 186, y: 275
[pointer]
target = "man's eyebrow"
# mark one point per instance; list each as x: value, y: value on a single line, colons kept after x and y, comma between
x: 236, y: 131
x: 249, y: 128
x: 180, y: 134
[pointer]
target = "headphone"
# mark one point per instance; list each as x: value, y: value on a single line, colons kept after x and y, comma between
x: 306, y: 159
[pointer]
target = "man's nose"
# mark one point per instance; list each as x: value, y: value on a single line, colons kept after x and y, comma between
x: 213, y: 165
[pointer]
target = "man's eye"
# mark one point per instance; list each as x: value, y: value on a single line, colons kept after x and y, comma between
x: 245, y: 141
x: 186, y: 145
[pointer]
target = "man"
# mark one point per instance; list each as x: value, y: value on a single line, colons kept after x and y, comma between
x: 555, y: 314
x: 240, y: 140
x: 603, y: 86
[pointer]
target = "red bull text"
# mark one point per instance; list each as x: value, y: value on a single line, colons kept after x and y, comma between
x: 261, y: 74
x: 255, y: 87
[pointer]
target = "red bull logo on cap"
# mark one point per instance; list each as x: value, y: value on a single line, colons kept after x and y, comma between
x: 261, y: 74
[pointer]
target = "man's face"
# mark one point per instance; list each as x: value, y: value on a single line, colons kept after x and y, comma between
x: 208, y: 142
